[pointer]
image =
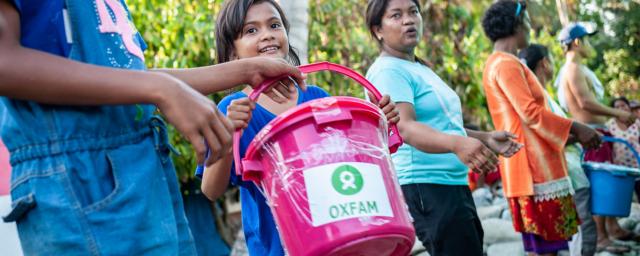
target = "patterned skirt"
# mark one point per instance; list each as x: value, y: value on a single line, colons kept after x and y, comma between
x: 552, y: 220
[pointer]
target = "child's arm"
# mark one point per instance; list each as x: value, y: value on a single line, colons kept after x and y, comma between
x: 29, y: 74
x: 250, y: 71
x: 388, y: 107
x: 215, y: 178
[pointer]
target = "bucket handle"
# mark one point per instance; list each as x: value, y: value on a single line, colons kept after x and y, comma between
x: 617, y: 140
x: 395, y: 141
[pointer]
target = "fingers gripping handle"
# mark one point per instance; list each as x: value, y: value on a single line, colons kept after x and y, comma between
x: 621, y: 141
x: 395, y: 141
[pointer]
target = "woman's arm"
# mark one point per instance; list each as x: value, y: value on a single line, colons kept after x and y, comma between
x: 424, y: 138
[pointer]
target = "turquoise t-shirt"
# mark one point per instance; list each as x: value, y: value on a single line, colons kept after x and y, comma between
x: 436, y: 105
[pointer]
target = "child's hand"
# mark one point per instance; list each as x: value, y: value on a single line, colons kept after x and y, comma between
x: 262, y: 68
x: 239, y: 111
x: 195, y: 116
x: 388, y: 107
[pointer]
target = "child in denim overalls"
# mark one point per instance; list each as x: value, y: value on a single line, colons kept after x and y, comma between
x: 91, y: 169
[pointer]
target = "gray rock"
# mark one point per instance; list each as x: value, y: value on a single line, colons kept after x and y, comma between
x: 482, y: 197
x: 506, y: 215
x: 635, y: 212
x: 499, y: 231
x: 490, y: 212
x: 636, y: 229
x: 627, y: 223
x: 417, y: 248
x: 506, y: 249
x: 499, y: 201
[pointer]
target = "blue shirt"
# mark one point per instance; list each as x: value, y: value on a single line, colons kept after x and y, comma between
x: 436, y: 105
x: 257, y: 220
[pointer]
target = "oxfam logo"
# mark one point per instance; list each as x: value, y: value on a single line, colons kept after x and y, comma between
x: 347, y: 180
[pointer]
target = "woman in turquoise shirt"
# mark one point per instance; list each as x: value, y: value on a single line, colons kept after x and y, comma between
x: 432, y: 164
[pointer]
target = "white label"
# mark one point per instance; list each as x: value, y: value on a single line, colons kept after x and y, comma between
x: 67, y: 26
x: 346, y: 190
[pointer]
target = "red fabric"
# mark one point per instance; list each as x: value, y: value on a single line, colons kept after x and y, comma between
x: 553, y: 220
x: 489, y: 179
x: 604, y: 154
x: 5, y: 170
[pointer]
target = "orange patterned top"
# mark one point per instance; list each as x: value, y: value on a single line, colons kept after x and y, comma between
x: 517, y: 104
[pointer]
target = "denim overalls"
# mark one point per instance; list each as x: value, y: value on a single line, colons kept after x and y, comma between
x: 93, y: 180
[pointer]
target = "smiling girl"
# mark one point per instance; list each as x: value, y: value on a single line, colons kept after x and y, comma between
x: 245, y: 29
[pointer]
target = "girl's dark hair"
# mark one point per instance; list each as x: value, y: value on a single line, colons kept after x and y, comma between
x: 375, y: 12
x: 621, y: 98
x: 533, y: 54
x: 503, y: 18
x: 230, y: 23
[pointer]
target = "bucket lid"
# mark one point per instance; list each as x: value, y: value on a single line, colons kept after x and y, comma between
x: 323, y: 110
x: 608, y: 167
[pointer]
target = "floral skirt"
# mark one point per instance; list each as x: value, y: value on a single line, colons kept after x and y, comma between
x: 552, y: 220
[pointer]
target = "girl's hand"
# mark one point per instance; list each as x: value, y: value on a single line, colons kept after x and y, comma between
x: 239, y: 112
x: 195, y: 116
x: 263, y: 68
x: 475, y: 155
x: 388, y: 107
x: 503, y: 143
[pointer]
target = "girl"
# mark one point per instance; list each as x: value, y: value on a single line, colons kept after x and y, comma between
x: 535, y: 180
x: 432, y: 164
x: 248, y: 28
x: 619, y: 128
x: 92, y: 174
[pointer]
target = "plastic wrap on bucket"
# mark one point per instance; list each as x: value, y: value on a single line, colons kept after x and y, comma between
x: 612, y: 185
x: 326, y: 171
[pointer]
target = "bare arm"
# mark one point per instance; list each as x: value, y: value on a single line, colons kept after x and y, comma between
x: 579, y: 88
x: 215, y: 178
x: 424, y: 138
x: 251, y: 71
x: 34, y: 75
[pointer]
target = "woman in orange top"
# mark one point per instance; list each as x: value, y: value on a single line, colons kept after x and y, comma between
x: 535, y: 179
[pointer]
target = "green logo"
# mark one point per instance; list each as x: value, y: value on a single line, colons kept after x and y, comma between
x: 347, y: 180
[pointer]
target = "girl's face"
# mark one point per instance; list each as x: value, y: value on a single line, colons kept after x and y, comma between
x: 621, y: 105
x: 401, y: 26
x: 263, y: 34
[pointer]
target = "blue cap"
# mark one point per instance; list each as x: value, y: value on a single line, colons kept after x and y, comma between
x: 574, y: 31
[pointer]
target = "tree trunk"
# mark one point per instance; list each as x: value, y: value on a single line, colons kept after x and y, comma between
x: 563, y: 12
x: 297, y: 12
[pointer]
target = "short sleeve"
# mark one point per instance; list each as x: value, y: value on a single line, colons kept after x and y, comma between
x: 392, y: 82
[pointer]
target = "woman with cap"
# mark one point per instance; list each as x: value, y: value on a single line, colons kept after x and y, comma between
x: 535, y: 180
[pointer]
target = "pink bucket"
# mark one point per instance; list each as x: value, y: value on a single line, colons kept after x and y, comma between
x: 326, y: 172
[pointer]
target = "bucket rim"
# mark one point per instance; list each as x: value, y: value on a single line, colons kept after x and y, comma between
x: 302, y: 112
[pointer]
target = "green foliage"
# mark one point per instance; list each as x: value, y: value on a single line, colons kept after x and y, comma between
x: 180, y: 34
